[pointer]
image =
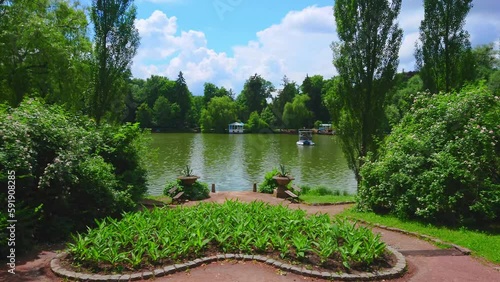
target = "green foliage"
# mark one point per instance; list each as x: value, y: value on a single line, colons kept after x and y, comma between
x: 441, y: 163
x: 366, y: 73
x: 313, y: 88
x: 255, y: 92
x: 441, y: 58
x: 163, y: 236
x: 144, y: 116
x: 255, y: 124
x: 296, y: 114
x: 283, y: 171
x: 269, y: 184
x: 196, y: 192
x: 44, y: 52
x: 187, y: 171
x: 220, y: 112
x: 115, y: 44
x: 68, y: 170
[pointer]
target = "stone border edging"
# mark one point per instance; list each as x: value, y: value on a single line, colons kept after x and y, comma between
x: 394, y: 272
x: 461, y: 249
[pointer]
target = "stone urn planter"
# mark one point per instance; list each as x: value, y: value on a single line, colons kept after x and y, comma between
x: 188, y: 180
x: 282, y: 182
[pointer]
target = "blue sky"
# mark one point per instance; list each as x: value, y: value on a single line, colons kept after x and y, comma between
x: 227, y: 41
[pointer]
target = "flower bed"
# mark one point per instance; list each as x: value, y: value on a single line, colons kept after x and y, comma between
x: 164, y: 236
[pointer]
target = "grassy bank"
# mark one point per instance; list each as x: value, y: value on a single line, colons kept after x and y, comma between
x: 482, y: 244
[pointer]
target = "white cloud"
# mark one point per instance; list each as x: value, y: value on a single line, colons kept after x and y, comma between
x: 298, y: 45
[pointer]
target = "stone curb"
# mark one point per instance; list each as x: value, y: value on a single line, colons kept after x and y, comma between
x: 397, y: 271
x: 461, y: 249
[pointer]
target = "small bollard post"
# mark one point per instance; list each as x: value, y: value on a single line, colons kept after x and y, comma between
x: 213, y: 187
x: 255, y: 187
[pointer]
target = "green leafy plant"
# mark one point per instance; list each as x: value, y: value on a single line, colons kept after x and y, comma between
x: 187, y: 171
x: 160, y: 236
x: 283, y: 172
x: 269, y: 184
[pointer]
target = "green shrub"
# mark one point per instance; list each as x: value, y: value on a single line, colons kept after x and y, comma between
x: 196, y: 192
x: 441, y: 164
x: 269, y: 184
x: 69, y: 171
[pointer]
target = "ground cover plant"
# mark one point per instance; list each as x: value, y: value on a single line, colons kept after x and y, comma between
x: 164, y: 236
x: 482, y: 243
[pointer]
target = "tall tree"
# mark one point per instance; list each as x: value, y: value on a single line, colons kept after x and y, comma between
x: 296, y: 115
x: 285, y: 95
x: 220, y: 112
x: 444, y: 44
x: 255, y: 91
x: 366, y: 58
x: 115, y: 44
x: 182, y: 98
x: 312, y: 87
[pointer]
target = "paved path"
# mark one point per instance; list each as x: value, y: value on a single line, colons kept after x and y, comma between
x: 425, y: 261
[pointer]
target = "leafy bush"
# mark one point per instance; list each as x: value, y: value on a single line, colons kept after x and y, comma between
x: 196, y: 192
x: 269, y: 184
x: 441, y: 163
x: 68, y: 170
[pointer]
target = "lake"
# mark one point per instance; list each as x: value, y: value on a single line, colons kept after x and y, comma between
x: 235, y: 161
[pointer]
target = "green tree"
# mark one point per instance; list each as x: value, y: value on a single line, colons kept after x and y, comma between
x: 486, y: 61
x: 399, y: 102
x: 285, y: 95
x: 366, y: 58
x: 296, y: 115
x: 494, y: 83
x: 144, y: 115
x: 44, y: 51
x: 162, y: 112
x: 115, y: 43
x: 183, y: 99
x: 157, y: 86
x: 312, y: 87
x: 255, y: 91
x: 445, y: 45
x: 255, y: 123
x: 220, y: 112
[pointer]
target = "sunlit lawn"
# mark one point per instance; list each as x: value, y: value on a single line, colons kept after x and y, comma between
x: 482, y: 244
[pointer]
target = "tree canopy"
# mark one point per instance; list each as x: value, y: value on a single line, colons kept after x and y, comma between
x: 366, y: 58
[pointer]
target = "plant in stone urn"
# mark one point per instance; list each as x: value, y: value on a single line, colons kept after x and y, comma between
x: 282, y: 178
x: 187, y: 178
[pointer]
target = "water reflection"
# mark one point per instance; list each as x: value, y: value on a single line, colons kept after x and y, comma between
x: 235, y: 162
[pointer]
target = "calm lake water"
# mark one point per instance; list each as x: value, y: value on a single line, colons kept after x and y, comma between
x: 234, y: 162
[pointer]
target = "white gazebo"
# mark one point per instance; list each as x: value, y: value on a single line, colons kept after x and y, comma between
x: 236, y: 127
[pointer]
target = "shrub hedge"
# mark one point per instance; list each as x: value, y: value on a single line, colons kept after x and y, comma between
x: 441, y: 164
x: 68, y: 170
